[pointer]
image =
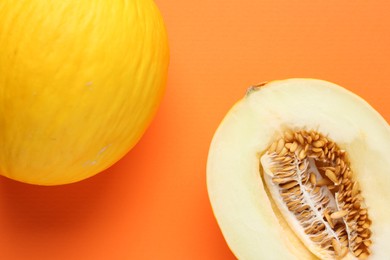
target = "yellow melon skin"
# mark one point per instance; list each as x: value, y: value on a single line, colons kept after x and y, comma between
x: 80, y: 81
x: 246, y: 214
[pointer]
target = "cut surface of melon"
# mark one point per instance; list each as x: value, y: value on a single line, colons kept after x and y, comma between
x: 254, y: 222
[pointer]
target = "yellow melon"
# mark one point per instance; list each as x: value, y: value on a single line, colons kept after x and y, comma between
x: 80, y: 81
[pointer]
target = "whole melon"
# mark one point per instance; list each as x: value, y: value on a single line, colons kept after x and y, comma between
x: 80, y: 81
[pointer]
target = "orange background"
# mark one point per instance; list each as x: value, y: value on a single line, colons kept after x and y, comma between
x: 153, y: 204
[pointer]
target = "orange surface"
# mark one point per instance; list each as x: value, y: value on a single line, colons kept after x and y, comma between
x: 153, y: 204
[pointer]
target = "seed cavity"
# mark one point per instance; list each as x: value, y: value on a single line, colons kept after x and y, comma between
x: 310, y: 179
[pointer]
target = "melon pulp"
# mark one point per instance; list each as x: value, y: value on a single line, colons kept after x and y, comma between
x: 248, y: 209
x: 80, y: 81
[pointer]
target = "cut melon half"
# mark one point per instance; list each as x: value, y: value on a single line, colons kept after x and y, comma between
x: 299, y: 169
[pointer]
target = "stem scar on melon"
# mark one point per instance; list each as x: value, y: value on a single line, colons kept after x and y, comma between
x: 298, y: 169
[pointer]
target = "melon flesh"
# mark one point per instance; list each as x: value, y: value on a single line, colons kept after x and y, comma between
x: 245, y: 213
